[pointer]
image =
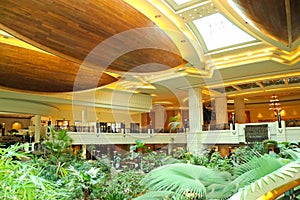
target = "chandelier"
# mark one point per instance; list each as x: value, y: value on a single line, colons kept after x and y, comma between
x: 275, y: 105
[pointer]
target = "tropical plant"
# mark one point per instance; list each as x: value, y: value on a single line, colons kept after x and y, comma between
x: 269, y: 145
x: 272, y: 184
x: 184, y: 181
x: 82, y: 183
x: 19, y: 179
x: 59, y: 143
x: 251, y: 171
x: 120, y: 186
x: 174, y: 123
x: 153, y: 160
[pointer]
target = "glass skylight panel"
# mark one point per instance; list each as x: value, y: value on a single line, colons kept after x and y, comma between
x: 219, y: 32
x: 179, y: 2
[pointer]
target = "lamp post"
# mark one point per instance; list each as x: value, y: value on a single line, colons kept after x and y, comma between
x: 233, y: 121
x: 279, y: 119
x: 275, y: 105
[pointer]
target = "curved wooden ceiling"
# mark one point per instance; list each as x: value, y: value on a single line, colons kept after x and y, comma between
x: 279, y: 19
x: 30, y: 70
x: 73, y: 29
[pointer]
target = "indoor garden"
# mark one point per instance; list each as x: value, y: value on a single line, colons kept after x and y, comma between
x: 57, y: 172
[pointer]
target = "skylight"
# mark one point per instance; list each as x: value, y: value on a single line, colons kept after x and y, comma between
x: 179, y: 2
x: 218, y: 32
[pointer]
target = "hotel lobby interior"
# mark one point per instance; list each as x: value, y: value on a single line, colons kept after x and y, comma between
x: 214, y: 67
x: 102, y: 93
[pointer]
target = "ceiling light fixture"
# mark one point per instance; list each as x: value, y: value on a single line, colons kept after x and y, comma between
x: 275, y: 105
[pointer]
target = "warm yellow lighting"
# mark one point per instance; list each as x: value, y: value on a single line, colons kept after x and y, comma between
x: 283, y: 113
x: 250, y: 80
x: 275, y: 105
x: 260, y: 115
x: 16, y: 42
x: 163, y: 102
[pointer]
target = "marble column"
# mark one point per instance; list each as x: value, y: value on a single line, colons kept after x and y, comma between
x: 84, y: 116
x: 195, y: 121
x: 239, y: 110
x: 195, y: 110
x: 37, y: 128
x: 221, y: 110
x: 159, y: 122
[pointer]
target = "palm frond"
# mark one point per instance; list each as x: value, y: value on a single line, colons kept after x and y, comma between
x: 294, y: 153
x: 183, y: 179
x: 253, y: 170
x: 155, y: 195
x: 276, y: 179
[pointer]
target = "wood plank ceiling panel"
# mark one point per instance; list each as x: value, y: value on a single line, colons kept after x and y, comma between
x: 280, y: 19
x: 72, y: 29
x: 30, y: 70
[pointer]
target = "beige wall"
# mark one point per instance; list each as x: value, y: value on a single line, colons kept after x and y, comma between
x: 93, y: 115
x: 259, y: 113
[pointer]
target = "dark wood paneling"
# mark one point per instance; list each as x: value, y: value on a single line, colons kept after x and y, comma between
x: 30, y: 70
x: 270, y: 17
x: 72, y: 29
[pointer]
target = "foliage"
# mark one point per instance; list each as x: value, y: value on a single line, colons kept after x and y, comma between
x: 59, y: 143
x: 221, y: 163
x: 245, y: 153
x: 20, y: 180
x: 269, y: 143
x: 62, y: 175
x: 213, y: 161
x: 175, y: 122
x: 185, y: 181
x: 153, y: 160
x: 121, y: 185
x: 277, y: 181
x: 251, y: 171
